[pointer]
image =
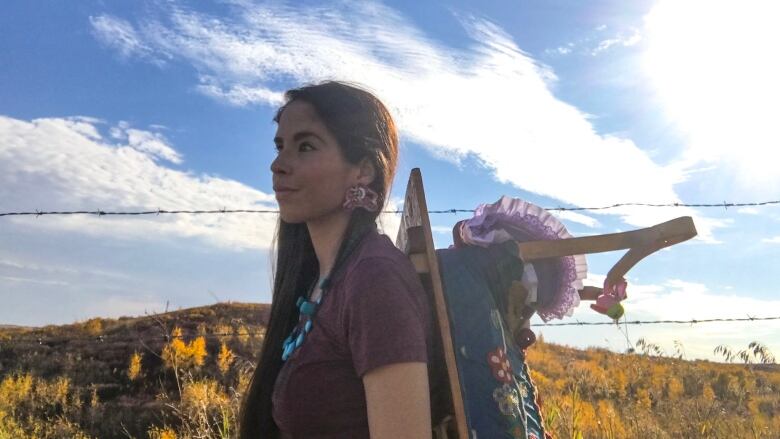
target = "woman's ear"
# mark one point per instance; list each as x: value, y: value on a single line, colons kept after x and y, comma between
x: 366, y: 173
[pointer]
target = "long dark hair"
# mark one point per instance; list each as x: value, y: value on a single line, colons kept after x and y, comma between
x: 364, y: 128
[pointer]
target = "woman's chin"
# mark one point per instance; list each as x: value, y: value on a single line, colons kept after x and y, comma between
x: 291, y: 218
x: 314, y: 215
x: 292, y: 215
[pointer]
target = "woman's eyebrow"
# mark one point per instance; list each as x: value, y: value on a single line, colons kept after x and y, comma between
x: 300, y: 135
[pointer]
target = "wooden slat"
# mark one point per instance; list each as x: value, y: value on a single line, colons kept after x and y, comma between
x: 590, y: 293
x: 658, y: 236
x: 416, y: 240
x: 641, y: 243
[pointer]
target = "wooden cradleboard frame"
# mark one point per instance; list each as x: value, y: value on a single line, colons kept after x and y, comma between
x: 416, y: 241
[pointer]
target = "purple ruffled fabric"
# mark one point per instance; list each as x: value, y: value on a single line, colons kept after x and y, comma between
x: 559, y: 279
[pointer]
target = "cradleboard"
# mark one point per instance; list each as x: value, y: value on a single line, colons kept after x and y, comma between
x: 480, y: 383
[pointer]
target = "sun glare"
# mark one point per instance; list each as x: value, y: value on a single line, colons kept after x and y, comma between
x: 715, y: 65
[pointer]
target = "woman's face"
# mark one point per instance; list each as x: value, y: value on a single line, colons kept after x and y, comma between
x: 310, y: 175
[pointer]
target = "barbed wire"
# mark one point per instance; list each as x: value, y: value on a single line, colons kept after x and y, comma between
x: 125, y: 338
x: 656, y: 322
x: 100, y: 212
x: 168, y: 338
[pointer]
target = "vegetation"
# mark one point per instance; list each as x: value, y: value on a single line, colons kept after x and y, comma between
x: 181, y: 375
x: 645, y: 394
x: 168, y: 376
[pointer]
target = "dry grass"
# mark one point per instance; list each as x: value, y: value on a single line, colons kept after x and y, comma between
x: 190, y: 386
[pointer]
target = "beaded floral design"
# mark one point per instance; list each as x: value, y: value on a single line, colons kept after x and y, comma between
x: 361, y: 196
x: 523, y: 390
x: 508, y: 400
x: 517, y: 429
x: 499, y: 365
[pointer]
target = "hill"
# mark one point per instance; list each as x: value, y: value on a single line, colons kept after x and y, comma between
x: 78, y: 375
x: 598, y: 393
x: 180, y: 375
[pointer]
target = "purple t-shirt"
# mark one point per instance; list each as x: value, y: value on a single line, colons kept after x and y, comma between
x: 375, y: 313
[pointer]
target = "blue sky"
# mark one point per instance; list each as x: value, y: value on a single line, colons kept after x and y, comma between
x: 168, y: 104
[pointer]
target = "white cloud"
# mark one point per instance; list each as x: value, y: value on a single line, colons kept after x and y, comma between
x: 64, y: 164
x: 29, y: 268
x: 239, y: 94
x: 716, y: 75
x: 153, y: 144
x: 441, y: 229
x: 80, y: 163
x: 560, y: 50
x: 577, y: 218
x: 122, y: 36
x: 682, y: 300
x: 594, y: 43
x: 748, y: 210
x: 624, y: 40
x: 490, y: 101
x: 389, y: 223
x: 15, y: 279
x: 775, y: 240
x: 677, y: 299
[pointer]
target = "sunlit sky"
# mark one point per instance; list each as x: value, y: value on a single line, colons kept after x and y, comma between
x: 126, y: 106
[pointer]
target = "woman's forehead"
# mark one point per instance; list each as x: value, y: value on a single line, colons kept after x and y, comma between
x: 298, y: 116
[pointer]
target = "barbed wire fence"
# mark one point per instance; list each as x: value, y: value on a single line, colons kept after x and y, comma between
x: 166, y: 337
x: 101, y: 212
x: 238, y: 334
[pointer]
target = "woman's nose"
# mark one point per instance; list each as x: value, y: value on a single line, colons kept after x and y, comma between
x: 278, y: 166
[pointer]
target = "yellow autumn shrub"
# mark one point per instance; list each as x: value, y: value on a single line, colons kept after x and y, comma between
x: 674, y: 389
x: 225, y: 358
x: 178, y: 354
x: 93, y: 326
x: 134, y: 369
x: 609, y: 423
x: 161, y: 433
x: 14, y: 389
x: 243, y: 334
x: 197, y: 351
x: 202, y: 394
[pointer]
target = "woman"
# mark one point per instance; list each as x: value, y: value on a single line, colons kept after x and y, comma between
x: 349, y: 337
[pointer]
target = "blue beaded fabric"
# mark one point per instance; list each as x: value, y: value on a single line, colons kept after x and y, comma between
x: 500, y: 399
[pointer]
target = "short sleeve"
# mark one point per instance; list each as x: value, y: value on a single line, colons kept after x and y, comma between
x: 384, y: 315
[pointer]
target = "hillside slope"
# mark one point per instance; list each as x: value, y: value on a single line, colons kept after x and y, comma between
x: 181, y: 374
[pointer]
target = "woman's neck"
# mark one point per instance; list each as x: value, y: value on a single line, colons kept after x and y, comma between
x: 326, y: 236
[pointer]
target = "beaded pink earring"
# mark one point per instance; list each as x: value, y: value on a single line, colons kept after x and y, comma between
x: 361, y: 196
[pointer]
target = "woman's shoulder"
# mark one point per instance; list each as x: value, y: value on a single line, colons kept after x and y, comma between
x: 378, y: 254
x: 379, y: 248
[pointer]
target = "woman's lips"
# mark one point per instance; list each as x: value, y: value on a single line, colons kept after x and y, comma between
x: 283, y: 192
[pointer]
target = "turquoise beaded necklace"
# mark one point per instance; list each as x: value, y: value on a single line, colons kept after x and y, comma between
x: 306, y: 308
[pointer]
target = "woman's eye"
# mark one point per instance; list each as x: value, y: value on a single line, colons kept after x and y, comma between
x: 277, y: 147
x: 305, y: 145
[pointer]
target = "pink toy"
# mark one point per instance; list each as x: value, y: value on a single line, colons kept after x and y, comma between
x: 608, y: 302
